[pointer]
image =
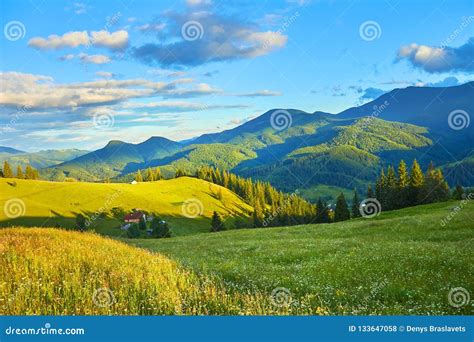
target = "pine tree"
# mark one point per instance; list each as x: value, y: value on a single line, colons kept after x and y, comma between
x: 458, y: 193
x: 7, y: 170
x: 355, y: 205
x: 216, y: 222
x: 80, y: 222
x: 342, y: 211
x: 150, y: 176
x: 370, y: 192
x: 160, y: 228
x: 19, y: 172
x: 403, y: 182
x: 390, y: 189
x: 158, y: 174
x: 257, y: 216
x: 417, y: 180
x: 138, y: 176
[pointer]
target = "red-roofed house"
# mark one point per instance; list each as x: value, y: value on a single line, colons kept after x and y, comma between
x: 134, y: 217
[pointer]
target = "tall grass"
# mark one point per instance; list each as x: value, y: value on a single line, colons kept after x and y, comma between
x: 56, y: 272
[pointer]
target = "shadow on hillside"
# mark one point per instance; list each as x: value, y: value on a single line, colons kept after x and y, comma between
x: 133, y: 166
x: 178, y: 224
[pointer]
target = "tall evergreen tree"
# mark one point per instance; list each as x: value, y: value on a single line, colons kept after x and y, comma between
x: 322, y: 212
x: 403, y: 182
x: 258, y: 215
x: 19, y: 172
x: 7, y: 170
x: 158, y: 174
x: 138, y: 176
x: 216, y: 222
x: 417, y: 179
x: 355, y: 205
x: 342, y: 211
x: 458, y: 193
x: 370, y: 192
x: 150, y: 176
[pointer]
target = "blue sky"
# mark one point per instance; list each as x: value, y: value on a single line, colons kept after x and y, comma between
x: 76, y: 74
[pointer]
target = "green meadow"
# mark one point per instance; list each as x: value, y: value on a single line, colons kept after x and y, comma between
x: 400, y: 262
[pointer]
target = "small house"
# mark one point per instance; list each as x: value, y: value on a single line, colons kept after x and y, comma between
x: 134, y: 217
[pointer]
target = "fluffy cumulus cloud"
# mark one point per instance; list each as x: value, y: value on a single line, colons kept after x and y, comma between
x: 69, y: 39
x: 42, y: 92
x: 110, y: 40
x: 200, y: 36
x: 439, y: 59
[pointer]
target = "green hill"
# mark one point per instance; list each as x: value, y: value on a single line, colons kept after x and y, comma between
x: 57, y: 203
x: 402, y: 262
x: 344, y: 150
x: 41, y: 159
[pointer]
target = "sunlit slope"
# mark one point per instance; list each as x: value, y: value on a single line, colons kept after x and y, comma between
x: 57, y: 272
x: 52, y: 203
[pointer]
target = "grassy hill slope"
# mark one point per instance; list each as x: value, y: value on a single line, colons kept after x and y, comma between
x: 402, y: 262
x: 56, y: 272
x: 51, y: 203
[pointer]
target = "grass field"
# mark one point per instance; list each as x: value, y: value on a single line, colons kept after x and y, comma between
x: 57, y: 203
x: 402, y: 262
x: 57, y: 272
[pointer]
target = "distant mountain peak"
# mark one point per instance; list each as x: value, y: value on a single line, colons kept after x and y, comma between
x: 10, y: 150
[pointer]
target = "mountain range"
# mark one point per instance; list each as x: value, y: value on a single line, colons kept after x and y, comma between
x: 317, y: 153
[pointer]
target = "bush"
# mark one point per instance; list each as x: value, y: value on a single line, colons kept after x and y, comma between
x: 160, y: 228
x: 142, y: 223
x: 81, y: 222
x: 133, y: 231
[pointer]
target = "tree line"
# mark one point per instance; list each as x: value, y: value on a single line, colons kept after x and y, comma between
x: 400, y: 189
x: 29, y: 173
x: 271, y: 207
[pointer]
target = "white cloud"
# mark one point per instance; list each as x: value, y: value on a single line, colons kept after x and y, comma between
x: 93, y: 59
x: 113, y: 41
x: 67, y: 57
x: 151, y: 27
x: 439, y: 59
x: 105, y: 74
x: 69, y: 39
x: 41, y: 92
